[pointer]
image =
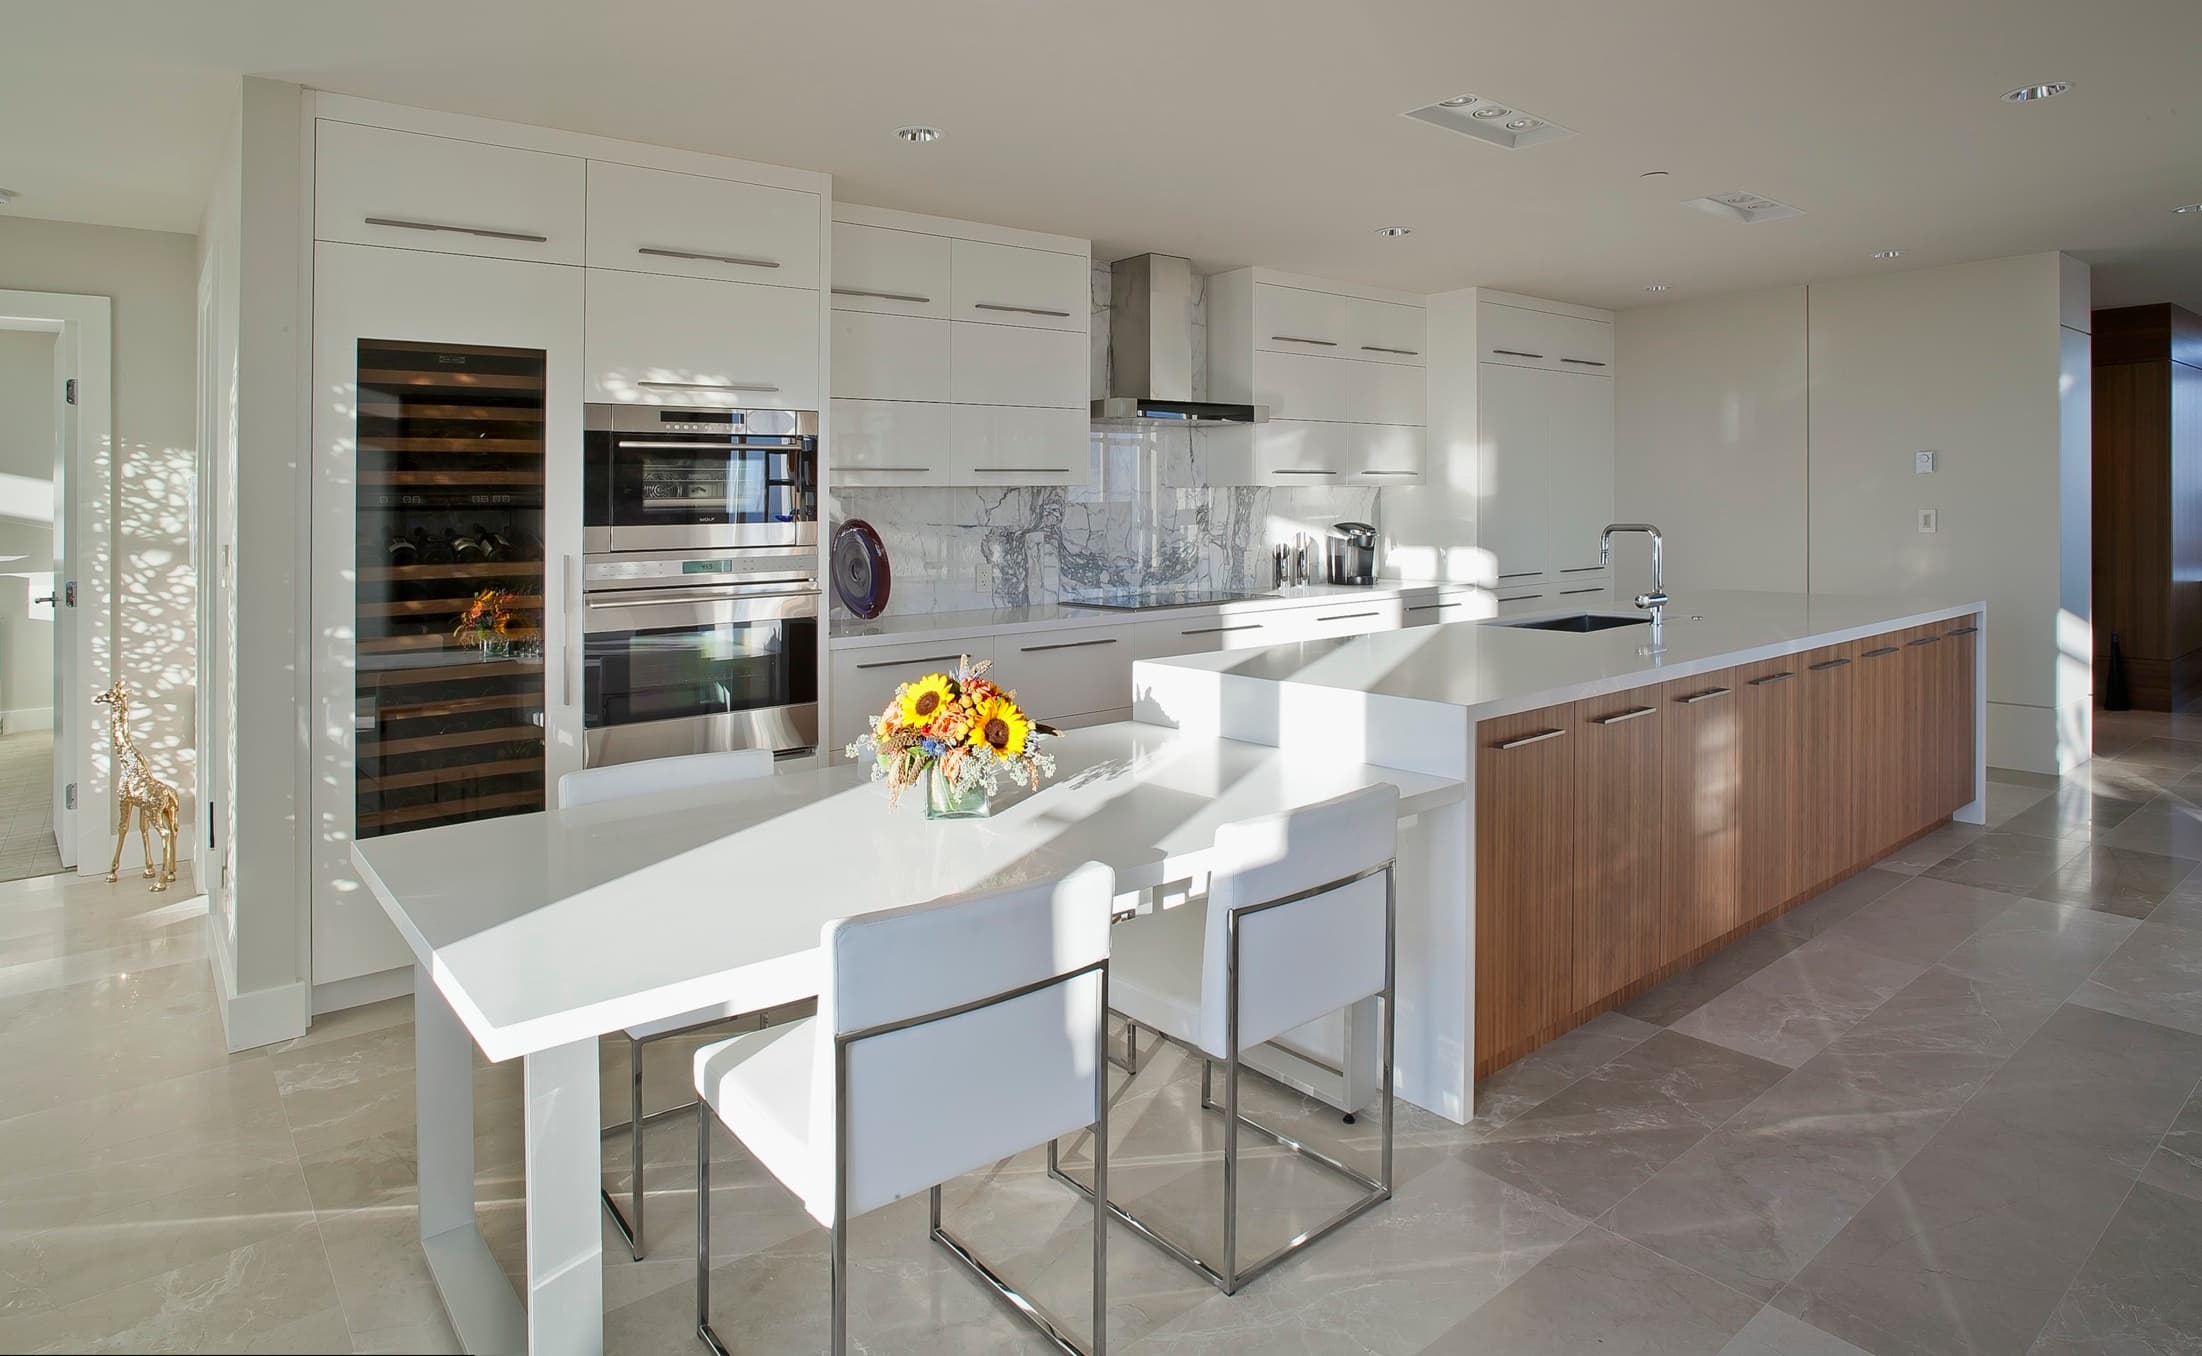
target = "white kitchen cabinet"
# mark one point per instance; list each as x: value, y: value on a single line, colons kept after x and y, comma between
x: 1443, y: 609
x: 1061, y: 675
x: 1299, y: 320
x: 1348, y: 617
x: 1337, y: 390
x: 1578, y: 443
x: 1520, y: 336
x: 1513, y: 473
x: 895, y: 272
x: 1301, y: 452
x: 658, y: 340
x: 694, y: 226
x: 894, y: 442
x: 1004, y: 365
x: 1018, y: 445
x: 864, y: 679
x: 376, y: 186
x: 891, y: 357
x: 1386, y: 332
x: 1194, y: 634
x: 1013, y: 285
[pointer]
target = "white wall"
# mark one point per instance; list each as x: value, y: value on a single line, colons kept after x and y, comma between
x: 1970, y: 361
x: 1712, y: 394
x: 149, y: 277
x: 26, y: 528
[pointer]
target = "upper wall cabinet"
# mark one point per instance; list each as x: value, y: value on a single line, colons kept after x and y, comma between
x: 693, y: 226
x: 1013, y: 285
x: 374, y: 186
x: 878, y: 268
x: 678, y: 341
x: 1519, y: 336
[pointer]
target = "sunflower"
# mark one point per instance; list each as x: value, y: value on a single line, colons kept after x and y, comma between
x: 923, y: 699
x: 1000, y: 726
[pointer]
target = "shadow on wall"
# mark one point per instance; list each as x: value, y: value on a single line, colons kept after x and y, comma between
x: 155, y: 603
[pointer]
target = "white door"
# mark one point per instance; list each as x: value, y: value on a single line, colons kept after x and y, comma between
x: 1515, y: 480
x: 447, y: 400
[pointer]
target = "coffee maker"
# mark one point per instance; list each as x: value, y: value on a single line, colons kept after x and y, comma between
x: 1353, y: 553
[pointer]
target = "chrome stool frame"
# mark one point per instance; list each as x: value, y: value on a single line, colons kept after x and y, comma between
x: 1229, y: 1276
x: 1048, y: 1326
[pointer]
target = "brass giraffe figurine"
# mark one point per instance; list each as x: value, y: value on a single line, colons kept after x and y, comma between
x: 137, y: 788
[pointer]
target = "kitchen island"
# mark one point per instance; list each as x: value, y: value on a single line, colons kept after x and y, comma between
x: 1630, y: 808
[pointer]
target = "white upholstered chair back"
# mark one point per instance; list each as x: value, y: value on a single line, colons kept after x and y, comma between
x: 690, y: 772
x: 936, y: 1099
x: 1307, y: 959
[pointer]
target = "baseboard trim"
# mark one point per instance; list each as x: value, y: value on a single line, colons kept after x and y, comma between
x: 256, y: 1017
x: 26, y: 718
x: 360, y: 990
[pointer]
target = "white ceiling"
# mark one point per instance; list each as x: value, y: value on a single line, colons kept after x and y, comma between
x: 1247, y: 131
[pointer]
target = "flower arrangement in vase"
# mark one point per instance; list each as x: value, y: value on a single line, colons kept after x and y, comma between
x: 487, y: 623
x: 958, y: 734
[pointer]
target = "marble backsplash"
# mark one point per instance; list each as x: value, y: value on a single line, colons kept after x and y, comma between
x: 1146, y: 518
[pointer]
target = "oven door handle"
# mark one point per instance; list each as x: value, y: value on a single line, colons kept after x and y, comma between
x: 733, y: 442
x: 660, y: 597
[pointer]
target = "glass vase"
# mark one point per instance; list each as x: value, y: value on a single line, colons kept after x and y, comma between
x: 943, y: 801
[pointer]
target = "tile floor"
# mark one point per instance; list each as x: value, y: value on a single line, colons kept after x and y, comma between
x: 1950, y: 1106
x: 27, y: 845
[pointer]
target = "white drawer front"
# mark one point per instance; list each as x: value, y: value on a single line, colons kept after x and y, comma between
x: 1011, y: 285
x: 1522, y: 602
x: 1297, y: 452
x: 1466, y: 605
x: 373, y: 186
x: 1578, y: 586
x: 864, y: 680
x: 1017, y: 445
x: 1519, y: 337
x: 1296, y: 386
x: 1058, y: 674
x: 1386, y: 332
x: 692, y: 226
x: 1291, y: 320
x: 893, y: 272
x: 891, y: 442
x: 1384, y: 454
x: 1003, y: 365
x: 1167, y: 636
x: 1348, y: 617
x: 654, y: 340
x: 890, y: 357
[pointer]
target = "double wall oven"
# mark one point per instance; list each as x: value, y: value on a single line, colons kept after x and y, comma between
x: 700, y: 585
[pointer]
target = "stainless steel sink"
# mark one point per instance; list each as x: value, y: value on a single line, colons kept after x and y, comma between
x: 1581, y: 623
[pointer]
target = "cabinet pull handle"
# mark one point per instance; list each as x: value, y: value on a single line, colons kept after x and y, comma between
x: 1402, y: 352
x: 1522, y: 598
x: 1826, y: 664
x: 572, y: 575
x: 1516, y: 353
x: 1883, y: 650
x: 660, y: 253
x: 1287, y: 471
x: 1707, y: 695
x: 1538, y: 738
x: 1631, y: 714
x: 1347, y: 616
x: 763, y: 387
x: 1213, y: 630
x: 1022, y: 470
x: 1021, y: 310
x: 1962, y: 631
x: 1430, y: 607
x: 914, y: 470
x: 1580, y: 569
x: 1583, y: 362
x: 905, y: 663
x: 1373, y: 472
x: 1592, y: 589
x: 1522, y: 574
x: 1066, y: 645
x: 1296, y: 339
x: 1925, y: 640
x: 1783, y: 676
x: 881, y: 296
x: 483, y: 231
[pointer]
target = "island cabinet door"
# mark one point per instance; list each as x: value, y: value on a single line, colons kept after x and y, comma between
x: 1525, y: 879
x: 1880, y: 718
x: 1954, y: 734
x: 1777, y: 859
x: 1622, y: 927
x: 1701, y: 809
x: 1926, y: 680
x: 1827, y: 811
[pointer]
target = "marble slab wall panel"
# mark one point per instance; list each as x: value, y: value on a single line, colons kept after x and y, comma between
x: 1146, y: 518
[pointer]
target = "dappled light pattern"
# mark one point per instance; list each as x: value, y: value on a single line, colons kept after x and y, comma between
x: 156, y: 609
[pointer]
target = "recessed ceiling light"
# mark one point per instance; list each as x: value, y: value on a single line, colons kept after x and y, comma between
x: 1489, y: 111
x: 1655, y: 287
x: 1888, y: 254
x: 1489, y: 120
x: 1395, y: 230
x: 1457, y: 101
x: 1748, y: 208
x: 2026, y: 94
x: 1520, y: 124
x: 918, y: 135
x: 2190, y: 209
x: 7, y: 195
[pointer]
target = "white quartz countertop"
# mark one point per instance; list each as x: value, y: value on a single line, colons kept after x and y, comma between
x: 553, y: 927
x: 850, y: 633
x: 1495, y: 670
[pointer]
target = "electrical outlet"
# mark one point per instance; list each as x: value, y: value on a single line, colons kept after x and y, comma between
x: 1926, y: 520
x: 1923, y: 462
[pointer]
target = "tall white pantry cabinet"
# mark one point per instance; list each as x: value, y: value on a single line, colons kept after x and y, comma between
x: 474, y: 284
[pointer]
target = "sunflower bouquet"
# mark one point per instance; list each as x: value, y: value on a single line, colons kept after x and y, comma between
x: 959, y: 733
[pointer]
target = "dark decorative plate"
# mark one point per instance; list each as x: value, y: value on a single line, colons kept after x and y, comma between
x: 861, y: 577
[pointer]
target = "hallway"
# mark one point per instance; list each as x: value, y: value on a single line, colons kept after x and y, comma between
x: 26, y: 805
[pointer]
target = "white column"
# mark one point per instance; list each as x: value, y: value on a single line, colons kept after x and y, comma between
x: 565, y: 1236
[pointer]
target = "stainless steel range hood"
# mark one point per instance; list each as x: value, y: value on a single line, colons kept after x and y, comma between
x: 1151, y: 349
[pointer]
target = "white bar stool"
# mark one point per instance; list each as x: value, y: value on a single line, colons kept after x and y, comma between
x: 1298, y: 924
x: 692, y: 772
x: 949, y: 1036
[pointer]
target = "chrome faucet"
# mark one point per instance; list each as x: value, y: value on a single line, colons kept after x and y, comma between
x: 1655, y: 601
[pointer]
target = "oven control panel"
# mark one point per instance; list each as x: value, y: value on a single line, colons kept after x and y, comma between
x: 671, y: 570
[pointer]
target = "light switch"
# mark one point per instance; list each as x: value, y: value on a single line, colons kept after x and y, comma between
x: 1926, y: 517
x: 1923, y: 462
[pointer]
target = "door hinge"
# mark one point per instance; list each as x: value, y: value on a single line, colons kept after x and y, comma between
x: 68, y: 594
x: 68, y: 796
x: 68, y: 391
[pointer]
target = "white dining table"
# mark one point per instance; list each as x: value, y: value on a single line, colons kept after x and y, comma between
x: 534, y: 935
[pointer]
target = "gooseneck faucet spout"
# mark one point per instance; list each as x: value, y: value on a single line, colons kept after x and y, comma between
x: 1655, y: 601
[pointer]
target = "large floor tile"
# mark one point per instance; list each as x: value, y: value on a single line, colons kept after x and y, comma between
x: 1690, y: 990
x: 2167, y: 826
x: 2176, y: 1165
x: 2156, y: 976
x: 1774, y: 1333
x: 2183, y: 906
x: 2045, y: 948
x: 2016, y: 863
x: 1789, y: 1011
x: 2076, y: 810
x: 1553, y: 1067
x: 2116, y: 880
x: 1602, y: 1293
x: 1921, y: 919
x: 1930, y: 849
x: 2138, y: 1292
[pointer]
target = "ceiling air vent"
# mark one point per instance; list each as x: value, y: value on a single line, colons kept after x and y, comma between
x: 1748, y: 208
x: 1501, y: 124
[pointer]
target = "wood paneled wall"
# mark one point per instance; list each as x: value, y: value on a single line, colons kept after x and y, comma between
x: 2148, y: 500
